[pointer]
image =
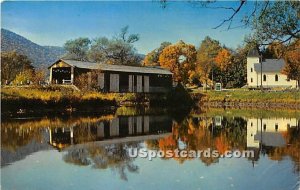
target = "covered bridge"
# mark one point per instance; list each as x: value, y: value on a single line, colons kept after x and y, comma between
x: 112, y: 78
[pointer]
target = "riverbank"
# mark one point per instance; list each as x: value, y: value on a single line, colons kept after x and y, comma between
x: 64, y: 99
x: 249, y: 113
x: 242, y: 98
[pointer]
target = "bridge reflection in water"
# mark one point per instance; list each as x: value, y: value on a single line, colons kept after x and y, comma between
x: 117, y: 127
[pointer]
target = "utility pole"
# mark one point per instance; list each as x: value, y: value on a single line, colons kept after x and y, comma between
x: 261, y: 70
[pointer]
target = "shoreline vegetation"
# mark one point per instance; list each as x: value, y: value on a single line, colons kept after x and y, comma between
x: 243, y: 98
x: 66, y: 99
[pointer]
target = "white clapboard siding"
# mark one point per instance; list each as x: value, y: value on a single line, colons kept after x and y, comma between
x: 130, y: 125
x: 114, y: 83
x: 130, y: 83
x: 89, y: 79
x: 139, y: 124
x: 139, y: 83
x: 146, y: 83
x: 146, y: 124
x: 100, y: 130
x: 101, y: 80
x: 114, y: 127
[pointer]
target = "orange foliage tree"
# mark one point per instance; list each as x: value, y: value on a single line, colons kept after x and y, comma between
x: 223, y: 59
x: 292, y: 62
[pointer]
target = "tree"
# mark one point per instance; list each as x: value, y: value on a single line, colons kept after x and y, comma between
x: 152, y: 58
x: 24, y: 77
x: 271, y: 21
x: 206, y: 54
x: 223, y: 59
x: 38, y: 76
x: 274, y: 51
x: 180, y: 59
x: 12, y: 64
x: 118, y: 50
x: 277, y: 21
x: 77, y: 49
x: 292, y: 62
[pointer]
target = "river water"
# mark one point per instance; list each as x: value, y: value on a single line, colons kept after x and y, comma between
x: 92, y: 151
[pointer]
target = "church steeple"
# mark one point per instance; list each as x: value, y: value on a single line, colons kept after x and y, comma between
x: 253, y: 53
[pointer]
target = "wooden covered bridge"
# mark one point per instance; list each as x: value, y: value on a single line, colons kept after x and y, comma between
x: 112, y: 78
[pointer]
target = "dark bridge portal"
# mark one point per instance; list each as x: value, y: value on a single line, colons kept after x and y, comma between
x: 60, y: 74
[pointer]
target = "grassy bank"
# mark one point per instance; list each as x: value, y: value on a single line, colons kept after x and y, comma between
x: 66, y: 98
x: 249, y: 113
x: 54, y: 98
x: 247, y: 96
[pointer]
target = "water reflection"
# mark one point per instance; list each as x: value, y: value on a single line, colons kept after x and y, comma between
x: 103, y: 141
x: 116, y: 127
x: 275, y: 137
x: 114, y: 156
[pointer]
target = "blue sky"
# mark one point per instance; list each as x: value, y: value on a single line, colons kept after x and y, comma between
x: 52, y: 23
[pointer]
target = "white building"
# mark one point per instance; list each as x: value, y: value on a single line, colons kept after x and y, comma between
x: 271, y: 72
x: 268, y: 131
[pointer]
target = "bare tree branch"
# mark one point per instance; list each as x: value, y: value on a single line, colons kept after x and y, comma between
x: 232, y: 16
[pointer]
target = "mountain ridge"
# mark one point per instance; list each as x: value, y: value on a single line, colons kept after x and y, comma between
x: 41, y: 56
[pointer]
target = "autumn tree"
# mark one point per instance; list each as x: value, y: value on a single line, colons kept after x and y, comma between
x: 152, y: 58
x: 223, y: 59
x: 292, y: 62
x: 180, y: 60
x: 39, y: 76
x: 275, y: 50
x: 13, y: 64
x: 206, y: 54
x: 24, y: 77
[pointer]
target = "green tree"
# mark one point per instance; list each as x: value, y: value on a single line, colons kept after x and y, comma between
x: 118, y: 50
x: 77, y: 49
x: 270, y: 20
x: 276, y: 21
x: 12, y: 64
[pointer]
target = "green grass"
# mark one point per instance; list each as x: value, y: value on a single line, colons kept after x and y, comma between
x: 242, y: 95
x: 254, y: 113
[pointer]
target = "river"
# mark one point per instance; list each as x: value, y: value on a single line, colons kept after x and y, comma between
x: 92, y: 151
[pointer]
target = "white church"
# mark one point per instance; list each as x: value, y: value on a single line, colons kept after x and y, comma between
x: 269, y: 72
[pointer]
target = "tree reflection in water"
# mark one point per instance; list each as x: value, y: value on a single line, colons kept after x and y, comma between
x: 188, y: 132
x: 231, y: 134
x: 202, y: 134
x: 114, y: 156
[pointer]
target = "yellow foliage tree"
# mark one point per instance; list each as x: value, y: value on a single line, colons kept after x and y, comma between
x: 24, y: 77
x: 208, y: 50
x: 180, y: 59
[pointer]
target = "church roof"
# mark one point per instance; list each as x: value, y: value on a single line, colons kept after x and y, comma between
x: 270, y: 65
x: 273, y: 139
x: 253, y: 53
